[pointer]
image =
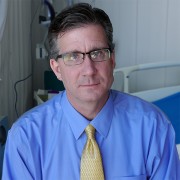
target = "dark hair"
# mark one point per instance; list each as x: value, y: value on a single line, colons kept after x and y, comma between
x: 75, y: 16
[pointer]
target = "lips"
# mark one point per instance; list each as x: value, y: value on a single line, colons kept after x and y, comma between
x: 87, y: 82
x: 89, y: 85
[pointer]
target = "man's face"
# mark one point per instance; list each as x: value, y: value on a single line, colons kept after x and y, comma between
x: 90, y: 81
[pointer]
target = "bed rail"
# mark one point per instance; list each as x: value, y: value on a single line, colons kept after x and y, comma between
x: 128, y: 70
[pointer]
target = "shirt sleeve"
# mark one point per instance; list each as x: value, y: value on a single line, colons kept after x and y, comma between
x: 163, y: 161
x: 17, y: 163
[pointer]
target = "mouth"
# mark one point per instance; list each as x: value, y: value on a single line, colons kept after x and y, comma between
x: 90, y: 85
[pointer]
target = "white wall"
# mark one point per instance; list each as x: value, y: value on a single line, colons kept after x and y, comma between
x: 145, y: 31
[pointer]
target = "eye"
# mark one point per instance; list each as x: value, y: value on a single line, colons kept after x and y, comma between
x: 95, y: 54
x: 72, y: 56
x: 98, y: 55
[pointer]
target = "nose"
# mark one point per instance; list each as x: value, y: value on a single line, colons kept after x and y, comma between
x: 88, y: 66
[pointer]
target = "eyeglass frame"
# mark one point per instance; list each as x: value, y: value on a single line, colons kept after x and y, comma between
x: 84, y: 54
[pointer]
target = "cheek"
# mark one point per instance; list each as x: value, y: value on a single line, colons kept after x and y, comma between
x: 63, y: 72
x: 68, y: 78
x: 107, y: 71
x: 108, y: 75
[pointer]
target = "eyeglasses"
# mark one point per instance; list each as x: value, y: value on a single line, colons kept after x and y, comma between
x: 75, y: 58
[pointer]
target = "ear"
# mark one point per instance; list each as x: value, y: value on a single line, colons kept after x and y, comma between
x: 55, y: 66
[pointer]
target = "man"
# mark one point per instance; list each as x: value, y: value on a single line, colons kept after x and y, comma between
x: 133, y: 140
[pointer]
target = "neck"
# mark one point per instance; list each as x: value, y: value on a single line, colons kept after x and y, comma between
x: 89, y: 109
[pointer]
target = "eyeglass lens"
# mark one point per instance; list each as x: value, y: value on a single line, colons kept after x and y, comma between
x: 75, y: 58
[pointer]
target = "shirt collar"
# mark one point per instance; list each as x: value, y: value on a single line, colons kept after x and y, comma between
x: 78, y: 123
x: 102, y: 121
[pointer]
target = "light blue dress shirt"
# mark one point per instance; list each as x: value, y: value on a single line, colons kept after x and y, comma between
x: 136, y: 141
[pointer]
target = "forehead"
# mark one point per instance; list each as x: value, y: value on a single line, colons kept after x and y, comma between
x: 84, y: 39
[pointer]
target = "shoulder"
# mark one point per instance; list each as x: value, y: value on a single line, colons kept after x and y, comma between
x: 37, y: 118
x: 138, y: 109
x: 143, y: 119
x: 129, y: 102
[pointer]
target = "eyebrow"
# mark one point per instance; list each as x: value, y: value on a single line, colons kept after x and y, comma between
x: 94, y: 49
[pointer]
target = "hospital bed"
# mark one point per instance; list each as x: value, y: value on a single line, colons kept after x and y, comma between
x: 166, y: 98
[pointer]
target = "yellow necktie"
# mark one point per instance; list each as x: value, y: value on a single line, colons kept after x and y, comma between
x: 91, y: 162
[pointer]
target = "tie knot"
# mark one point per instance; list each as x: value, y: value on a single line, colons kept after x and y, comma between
x: 90, y: 130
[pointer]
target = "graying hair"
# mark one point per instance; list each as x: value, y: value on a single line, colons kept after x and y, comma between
x: 75, y: 16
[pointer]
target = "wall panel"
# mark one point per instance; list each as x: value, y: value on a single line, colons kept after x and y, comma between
x: 16, y: 60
